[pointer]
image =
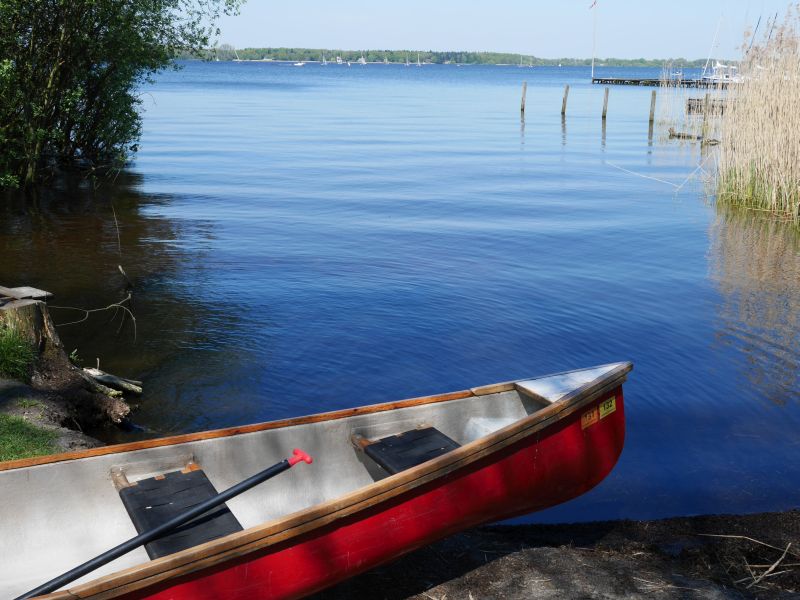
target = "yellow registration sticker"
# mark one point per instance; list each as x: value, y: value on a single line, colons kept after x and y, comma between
x: 590, y: 418
x: 608, y: 407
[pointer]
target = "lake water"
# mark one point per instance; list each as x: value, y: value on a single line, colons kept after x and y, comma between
x: 307, y: 239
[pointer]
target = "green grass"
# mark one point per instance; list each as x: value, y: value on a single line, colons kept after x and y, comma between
x: 16, y: 354
x: 20, y: 439
x: 29, y: 403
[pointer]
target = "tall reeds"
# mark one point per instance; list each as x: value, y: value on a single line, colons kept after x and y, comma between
x: 759, y: 151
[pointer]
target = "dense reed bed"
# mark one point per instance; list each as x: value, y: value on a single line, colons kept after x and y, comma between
x: 759, y: 152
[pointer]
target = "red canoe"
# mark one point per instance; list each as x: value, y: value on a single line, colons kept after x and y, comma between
x: 386, y: 479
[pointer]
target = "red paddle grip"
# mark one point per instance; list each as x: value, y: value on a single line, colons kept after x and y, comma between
x: 299, y: 456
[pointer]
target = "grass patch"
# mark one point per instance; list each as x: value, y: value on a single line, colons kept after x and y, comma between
x: 16, y: 354
x: 20, y: 439
x: 29, y: 403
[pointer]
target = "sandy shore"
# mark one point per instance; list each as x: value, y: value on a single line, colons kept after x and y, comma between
x: 673, y: 558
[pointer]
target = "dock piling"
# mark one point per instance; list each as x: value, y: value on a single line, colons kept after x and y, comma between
x: 564, y: 101
x: 605, y: 105
x: 524, y: 93
x: 652, y: 107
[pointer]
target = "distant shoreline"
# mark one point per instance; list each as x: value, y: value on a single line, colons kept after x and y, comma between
x: 226, y: 53
x: 428, y: 64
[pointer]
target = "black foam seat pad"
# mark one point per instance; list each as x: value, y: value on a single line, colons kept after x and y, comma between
x: 151, y: 502
x: 408, y: 449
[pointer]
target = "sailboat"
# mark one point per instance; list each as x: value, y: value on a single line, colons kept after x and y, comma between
x: 719, y: 73
x: 407, y: 63
x: 324, y: 62
x: 339, y: 60
x: 362, y: 60
x: 419, y: 64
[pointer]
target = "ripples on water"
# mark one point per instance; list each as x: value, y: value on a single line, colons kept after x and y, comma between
x: 309, y: 239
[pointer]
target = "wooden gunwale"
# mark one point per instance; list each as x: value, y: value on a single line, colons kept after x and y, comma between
x: 229, y: 431
x: 282, y: 529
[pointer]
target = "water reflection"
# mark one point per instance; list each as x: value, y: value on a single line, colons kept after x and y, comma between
x: 603, y: 136
x: 756, y: 265
x: 71, y: 239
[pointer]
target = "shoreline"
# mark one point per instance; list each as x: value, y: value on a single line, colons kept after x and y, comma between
x: 48, y: 412
x: 47, y: 397
x: 712, y: 556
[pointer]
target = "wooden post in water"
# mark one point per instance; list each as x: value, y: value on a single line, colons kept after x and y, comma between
x: 605, y: 105
x: 706, y: 108
x: 652, y: 107
x: 564, y: 101
x: 524, y: 93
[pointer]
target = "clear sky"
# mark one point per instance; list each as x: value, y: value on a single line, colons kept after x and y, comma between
x: 549, y: 29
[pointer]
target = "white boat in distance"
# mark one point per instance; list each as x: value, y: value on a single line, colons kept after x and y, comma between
x: 299, y: 64
x: 721, y: 73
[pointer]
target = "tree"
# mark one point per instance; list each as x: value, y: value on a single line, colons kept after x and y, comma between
x: 70, y: 71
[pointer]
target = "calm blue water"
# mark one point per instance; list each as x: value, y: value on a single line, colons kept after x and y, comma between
x: 306, y: 239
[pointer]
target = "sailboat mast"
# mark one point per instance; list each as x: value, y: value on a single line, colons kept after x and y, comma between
x: 594, y: 33
x: 711, y: 50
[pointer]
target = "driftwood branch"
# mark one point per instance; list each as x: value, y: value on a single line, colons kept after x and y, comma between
x: 98, y: 387
x: 772, y: 568
x: 679, y: 135
x: 112, y: 381
x: 86, y: 312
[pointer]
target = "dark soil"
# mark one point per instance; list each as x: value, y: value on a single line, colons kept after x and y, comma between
x: 46, y: 410
x: 697, y: 557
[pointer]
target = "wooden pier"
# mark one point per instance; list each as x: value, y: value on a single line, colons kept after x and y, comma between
x: 686, y: 83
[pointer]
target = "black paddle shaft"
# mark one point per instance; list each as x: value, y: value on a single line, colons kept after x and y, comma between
x: 150, y: 535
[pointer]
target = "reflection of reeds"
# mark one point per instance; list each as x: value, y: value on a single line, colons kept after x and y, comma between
x: 756, y: 264
x: 759, y: 153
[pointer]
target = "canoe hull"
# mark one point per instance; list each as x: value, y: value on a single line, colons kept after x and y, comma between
x: 547, y: 468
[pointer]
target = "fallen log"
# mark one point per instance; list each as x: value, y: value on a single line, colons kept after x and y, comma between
x: 112, y: 381
x: 680, y: 135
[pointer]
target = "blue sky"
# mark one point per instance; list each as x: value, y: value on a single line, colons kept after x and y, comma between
x: 556, y: 28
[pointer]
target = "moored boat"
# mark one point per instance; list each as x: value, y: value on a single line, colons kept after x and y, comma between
x: 386, y: 479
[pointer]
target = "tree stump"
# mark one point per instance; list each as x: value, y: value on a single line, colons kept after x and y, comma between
x: 52, y: 370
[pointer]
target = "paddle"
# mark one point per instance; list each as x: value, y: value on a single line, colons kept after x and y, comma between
x: 148, y: 536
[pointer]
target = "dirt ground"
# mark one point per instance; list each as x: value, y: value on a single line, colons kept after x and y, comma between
x: 45, y: 410
x: 753, y: 556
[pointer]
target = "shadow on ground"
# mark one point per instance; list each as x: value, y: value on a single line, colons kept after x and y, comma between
x: 701, y: 557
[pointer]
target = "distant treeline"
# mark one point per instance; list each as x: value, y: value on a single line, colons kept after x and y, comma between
x: 227, y: 52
